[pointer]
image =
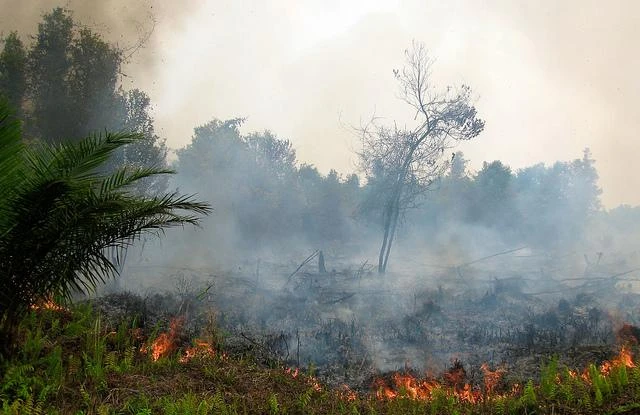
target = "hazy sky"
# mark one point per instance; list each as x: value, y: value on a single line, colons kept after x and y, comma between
x: 552, y: 77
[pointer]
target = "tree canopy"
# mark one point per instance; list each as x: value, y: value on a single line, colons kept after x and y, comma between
x: 66, y: 85
x: 405, y: 161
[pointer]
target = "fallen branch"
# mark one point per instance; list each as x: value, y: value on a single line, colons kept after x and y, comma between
x: 305, y: 262
x: 337, y: 300
x: 491, y: 256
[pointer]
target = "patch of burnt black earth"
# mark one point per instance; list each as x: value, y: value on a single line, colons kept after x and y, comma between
x: 351, y: 325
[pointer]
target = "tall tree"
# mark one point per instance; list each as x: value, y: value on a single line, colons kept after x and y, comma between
x: 410, y: 159
x: 12, y: 71
x: 73, y: 76
x: 94, y: 99
x: 49, y: 65
x: 494, y: 196
x: 134, y: 109
x: 251, y: 176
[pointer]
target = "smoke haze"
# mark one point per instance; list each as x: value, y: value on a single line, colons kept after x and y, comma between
x: 552, y: 78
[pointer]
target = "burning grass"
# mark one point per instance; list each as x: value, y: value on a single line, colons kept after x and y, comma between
x: 74, y: 362
x: 611, y: 377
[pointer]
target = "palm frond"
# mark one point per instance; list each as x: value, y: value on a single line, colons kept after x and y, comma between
x: 78, y: 160
x: 126, y: 176
x: 59, y: 214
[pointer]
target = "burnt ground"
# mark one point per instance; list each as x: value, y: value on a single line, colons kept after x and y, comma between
x: 352, y: 325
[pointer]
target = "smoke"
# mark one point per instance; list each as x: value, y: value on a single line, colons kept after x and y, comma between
x: 552, y: 78
x: 118, y: 21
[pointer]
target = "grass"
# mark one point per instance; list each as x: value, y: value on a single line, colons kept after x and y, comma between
x: 73, y: 362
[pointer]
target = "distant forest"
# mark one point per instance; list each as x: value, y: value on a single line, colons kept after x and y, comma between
x: 64, y: 84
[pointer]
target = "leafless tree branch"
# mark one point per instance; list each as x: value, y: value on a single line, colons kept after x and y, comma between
x: 403, y: 162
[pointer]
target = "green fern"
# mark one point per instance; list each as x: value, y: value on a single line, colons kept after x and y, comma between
x: 73, y: 366
x: 17, y: 382
x: 33, y: 344
x: 529, y: 398
x: 599, y: 381
x: 305, y: 398
x: 218, y: 405
x: 548, y: 380
x: 86, y: 398
x: 585, y: 402
x: 28, y: 406
x: 274, y: 407
x: 619, y: 378
x: 128, y: 359
x: 111, y: 362
x: 54, y: 367
x: 500, y: 406
x: 189, y: 404
x: 93, y: 370
x: 598, y: 399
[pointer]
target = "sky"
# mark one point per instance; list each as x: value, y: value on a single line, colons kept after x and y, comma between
x: 550, y: 77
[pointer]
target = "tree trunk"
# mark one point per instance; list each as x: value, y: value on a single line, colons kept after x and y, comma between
x: 321, y: 267
x: 383, y: 249
x: 392, y: 232
x: 392, y: 211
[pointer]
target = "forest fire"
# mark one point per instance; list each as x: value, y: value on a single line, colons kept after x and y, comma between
x: 166, y: 342
x: 47, y: 304
x: 454, y: 384
x: 293, y: 372
x: 312, y: 381
x: 201, y: 349
x: 406, y: 385
x: 624, y: 358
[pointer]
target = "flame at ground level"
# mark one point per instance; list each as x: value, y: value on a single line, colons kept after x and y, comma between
x: 168, y: 342
x: 47, y: 304
x: 201, y: 349
x: 401, y: 385
x: 165, y: 343
x: 408, y: 386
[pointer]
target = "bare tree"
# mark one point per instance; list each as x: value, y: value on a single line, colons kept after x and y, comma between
x: 404, y: 162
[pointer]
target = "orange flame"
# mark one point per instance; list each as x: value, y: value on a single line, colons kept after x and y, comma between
x: 467, y: 394
x: 166, y: 342
x: 491, y: 378
x: 47, y: 304
x: 413, y: 388
x: 346, y: 393
x: 409, y: 386
x: 201, y: 349
x: 310, y: 380
x: 293, y: 372
x: 454, y: 385
x: 624, y: 358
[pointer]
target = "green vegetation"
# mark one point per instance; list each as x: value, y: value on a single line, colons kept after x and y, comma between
x: 63, y: 221
x: 70, y: 206
x: 72, y: 362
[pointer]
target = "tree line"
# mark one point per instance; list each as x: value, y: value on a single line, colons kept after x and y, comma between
x: 72, y: 200
x: 64, y: 84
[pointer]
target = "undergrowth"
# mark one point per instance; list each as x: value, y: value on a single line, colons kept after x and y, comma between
x: 73, y: 362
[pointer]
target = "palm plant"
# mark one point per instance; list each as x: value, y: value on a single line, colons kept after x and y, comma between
x: 60, y: 215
